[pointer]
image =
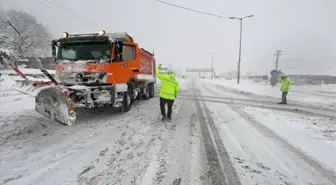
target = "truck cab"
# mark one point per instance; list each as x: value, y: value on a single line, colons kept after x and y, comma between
x: 95, y: 58
x: 108, y: 63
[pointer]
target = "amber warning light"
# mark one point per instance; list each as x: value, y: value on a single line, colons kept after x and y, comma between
x: 99, y: 33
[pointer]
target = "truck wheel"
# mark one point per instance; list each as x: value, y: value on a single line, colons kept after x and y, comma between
x: 151, y: 90
x: 126, y: 103
x: 131, y: 92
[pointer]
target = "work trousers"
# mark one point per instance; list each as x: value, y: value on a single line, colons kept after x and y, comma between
x: 284, y: 97
x: 163, y: 103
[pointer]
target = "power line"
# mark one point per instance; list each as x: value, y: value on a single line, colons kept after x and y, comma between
x: 70, y: 10
x: 218, y: 16
x: 51, y: 6
x: 57, y: 7
x: 193, y: 10
x: 46, y: 5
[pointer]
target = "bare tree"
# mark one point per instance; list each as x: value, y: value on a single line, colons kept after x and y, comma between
x: 24, y: 35
x: 5, y: 46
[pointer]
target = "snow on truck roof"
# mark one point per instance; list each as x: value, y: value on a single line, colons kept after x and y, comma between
x: 121, y: 36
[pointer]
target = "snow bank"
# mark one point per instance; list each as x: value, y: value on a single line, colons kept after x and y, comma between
x: 6, y: 81
x: 32, y: 75
x: 28, y: 71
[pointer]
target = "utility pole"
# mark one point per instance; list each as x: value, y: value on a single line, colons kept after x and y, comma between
x: 212, y: 66
x: 212, y: 62
x: 240, y: 43
x: 277, y: 54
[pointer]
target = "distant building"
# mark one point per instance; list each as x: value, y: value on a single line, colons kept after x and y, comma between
x: 258, y: 78
x: 312, y: 79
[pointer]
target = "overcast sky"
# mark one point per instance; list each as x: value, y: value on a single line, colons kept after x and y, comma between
x: 305, y: 30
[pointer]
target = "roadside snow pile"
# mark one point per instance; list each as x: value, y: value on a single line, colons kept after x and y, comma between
x: 28, y: 71
x: 32, y: 74
x: 6, y: 81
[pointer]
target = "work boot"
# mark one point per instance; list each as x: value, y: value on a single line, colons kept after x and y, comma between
x: 163, y: 118
x: 280, y: 103
x: 169, y: 118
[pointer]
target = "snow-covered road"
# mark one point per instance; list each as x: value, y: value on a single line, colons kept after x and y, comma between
x: 263, y: 146
x: 218, y: 136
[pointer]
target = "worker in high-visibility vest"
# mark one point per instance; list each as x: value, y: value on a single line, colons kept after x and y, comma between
x: 284, y: 88
x: 168, y: 91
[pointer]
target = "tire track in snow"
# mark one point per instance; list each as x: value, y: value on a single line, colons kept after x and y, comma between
x: 315, y: 94
x: 221, y: 167
x: 325, y: 172
x: 180, y: 149
x: 250, y: 95
x: 287, y: 108
x: 178, y: 159
x: 313, y: 166
x: 136, y: 142
x: 159, y: 164
x: 262, y: 99
x: 93, y: 134
x: 172, y: 158
x: 262, y: 103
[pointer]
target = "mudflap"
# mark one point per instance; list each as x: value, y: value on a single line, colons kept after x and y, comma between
x: 56, y: 105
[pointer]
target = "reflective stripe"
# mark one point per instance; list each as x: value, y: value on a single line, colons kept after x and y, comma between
x: 171, y: 81
x: 168, y: 93
x: 169, y: 85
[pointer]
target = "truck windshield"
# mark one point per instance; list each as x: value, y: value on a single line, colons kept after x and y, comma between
x: 95, y: 51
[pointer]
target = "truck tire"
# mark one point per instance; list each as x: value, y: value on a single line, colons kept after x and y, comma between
x: 126, y: 103
x: 131, y: 92
x: 151, y: 90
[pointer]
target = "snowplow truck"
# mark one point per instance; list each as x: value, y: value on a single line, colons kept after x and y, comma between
x: 95, y: 70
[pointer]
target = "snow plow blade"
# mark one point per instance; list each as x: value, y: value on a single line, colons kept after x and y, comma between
x: 56, y: 105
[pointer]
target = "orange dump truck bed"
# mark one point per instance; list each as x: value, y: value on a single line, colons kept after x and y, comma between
x: 146, y: 66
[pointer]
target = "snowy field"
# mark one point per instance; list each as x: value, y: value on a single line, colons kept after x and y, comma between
x: 221, y: 133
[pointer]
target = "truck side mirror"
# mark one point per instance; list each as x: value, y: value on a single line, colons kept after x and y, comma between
x: 118, y: 50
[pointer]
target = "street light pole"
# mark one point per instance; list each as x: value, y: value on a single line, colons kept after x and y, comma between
x: 218, y: 16
x: 240, y: 42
